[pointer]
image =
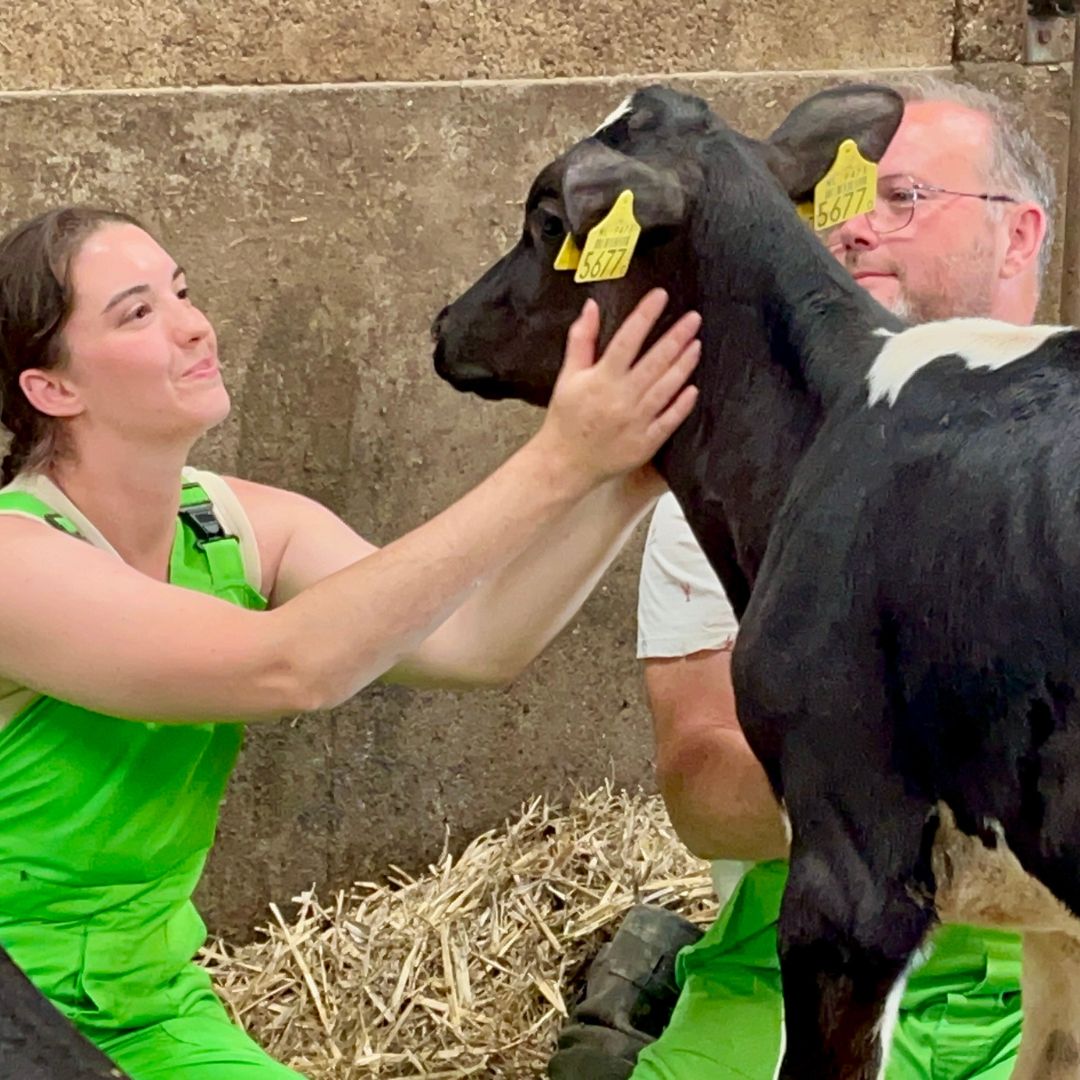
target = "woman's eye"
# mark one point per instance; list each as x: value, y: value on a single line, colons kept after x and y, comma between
x: 184, y: 293
x: 140, y: 311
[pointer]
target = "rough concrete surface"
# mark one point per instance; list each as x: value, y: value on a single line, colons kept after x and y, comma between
x: 322, y: 229
x: 989, y: 30
x: 117, y: 43
x: 994, y: 30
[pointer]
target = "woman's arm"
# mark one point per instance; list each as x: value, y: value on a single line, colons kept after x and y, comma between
x: 79, y: 625
x: 514, y: 613
x: 510, y: 617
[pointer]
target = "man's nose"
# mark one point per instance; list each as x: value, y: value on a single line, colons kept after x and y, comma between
x: 854, y: 234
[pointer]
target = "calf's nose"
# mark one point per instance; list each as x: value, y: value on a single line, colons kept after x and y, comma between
x: 436, y: 326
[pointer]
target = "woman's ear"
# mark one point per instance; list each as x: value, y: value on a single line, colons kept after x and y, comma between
x: 50, y: 393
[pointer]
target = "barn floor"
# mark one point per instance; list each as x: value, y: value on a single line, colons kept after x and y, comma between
x: 466, y: 970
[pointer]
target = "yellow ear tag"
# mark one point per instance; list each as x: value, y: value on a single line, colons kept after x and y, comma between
x: 610, y: 244
x: 569, y: 254
x: 805, y: 210
x: 848, y: 189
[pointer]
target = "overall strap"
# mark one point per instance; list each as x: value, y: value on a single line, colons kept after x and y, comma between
x: 22, y: 504
x: 203, y: 531
x: 205, y: 556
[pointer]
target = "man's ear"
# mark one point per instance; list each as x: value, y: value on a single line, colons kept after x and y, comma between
x: 50, y: 393
x: 596, y: 175
x: 800, y: 151
x: 1027, y: 234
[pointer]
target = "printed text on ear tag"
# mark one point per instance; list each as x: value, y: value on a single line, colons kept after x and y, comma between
x: 569, y: 254
x: 848, y: 189
x: 610, y: 244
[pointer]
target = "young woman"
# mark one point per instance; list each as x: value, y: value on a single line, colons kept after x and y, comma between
x: 149, y: 609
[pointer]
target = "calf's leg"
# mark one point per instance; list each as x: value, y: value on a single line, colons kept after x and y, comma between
x: 1046, y: 840
x: 1050, y: 1048
x: 857, y: 907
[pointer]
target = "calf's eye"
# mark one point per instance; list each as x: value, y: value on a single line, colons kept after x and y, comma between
x: 551, y: 227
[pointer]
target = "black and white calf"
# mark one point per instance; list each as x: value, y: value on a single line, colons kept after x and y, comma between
x: 895, y: 515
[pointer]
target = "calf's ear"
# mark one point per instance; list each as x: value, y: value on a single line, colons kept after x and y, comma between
x: 596, y: 175
x: 800, y: 151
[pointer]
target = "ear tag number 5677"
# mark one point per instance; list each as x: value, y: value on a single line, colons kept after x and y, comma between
x: 608, y: 248
x: 847, y: 190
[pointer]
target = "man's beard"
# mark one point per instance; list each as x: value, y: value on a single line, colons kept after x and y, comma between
x: 901, y: 308
x: 953, y: 285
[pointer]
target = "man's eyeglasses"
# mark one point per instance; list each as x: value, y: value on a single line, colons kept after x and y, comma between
x: 897, y: 197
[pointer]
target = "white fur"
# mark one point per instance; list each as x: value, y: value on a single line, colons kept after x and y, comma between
x: 783, y: 1042
x: 785, y: 821
x: 621, y: 110
x: 993, y: 825
x: 886, y: 1025
x: 890, y: 1015
x: 981, y: 343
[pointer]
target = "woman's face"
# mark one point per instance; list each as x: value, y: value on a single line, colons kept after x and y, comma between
x: 141, y: 357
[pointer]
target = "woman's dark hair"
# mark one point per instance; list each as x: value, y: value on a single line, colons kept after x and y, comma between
x: 35, y: 301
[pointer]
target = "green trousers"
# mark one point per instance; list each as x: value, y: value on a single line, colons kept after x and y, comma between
x: 959, y: 1017
x: 200, y: 1043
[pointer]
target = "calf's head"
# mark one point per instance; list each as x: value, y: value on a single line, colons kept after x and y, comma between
x: 693, y: 178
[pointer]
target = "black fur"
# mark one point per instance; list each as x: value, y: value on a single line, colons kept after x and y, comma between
x: 907, y: 576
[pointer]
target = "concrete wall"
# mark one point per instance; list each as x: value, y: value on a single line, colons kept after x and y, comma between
x: 325, y: 215
x: 109, y: 43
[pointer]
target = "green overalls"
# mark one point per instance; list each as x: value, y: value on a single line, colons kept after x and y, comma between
x: 105, y: 825
x: 959, y: 1016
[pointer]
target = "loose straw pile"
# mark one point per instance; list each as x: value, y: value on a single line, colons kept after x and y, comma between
x: 467, y: 970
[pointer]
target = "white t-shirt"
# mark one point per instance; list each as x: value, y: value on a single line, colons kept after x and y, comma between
x: 682, y: 609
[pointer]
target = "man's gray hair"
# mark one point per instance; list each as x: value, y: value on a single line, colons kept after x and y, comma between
x: 1018, y: 166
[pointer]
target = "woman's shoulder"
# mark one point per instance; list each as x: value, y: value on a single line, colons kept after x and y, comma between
x: 300, y: 539
x: 266, y: 506
x: 271, y: 513
x: 34, y: 497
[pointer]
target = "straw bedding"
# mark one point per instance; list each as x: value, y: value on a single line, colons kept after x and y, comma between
x: 468, y: 969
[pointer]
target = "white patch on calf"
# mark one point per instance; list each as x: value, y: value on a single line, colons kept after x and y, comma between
x: 980, y: 343
x: 783, y: 1043
x: 621, y: 110
x: 785, y: 821
x: 994, y: 826
x: 886, y: 1026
